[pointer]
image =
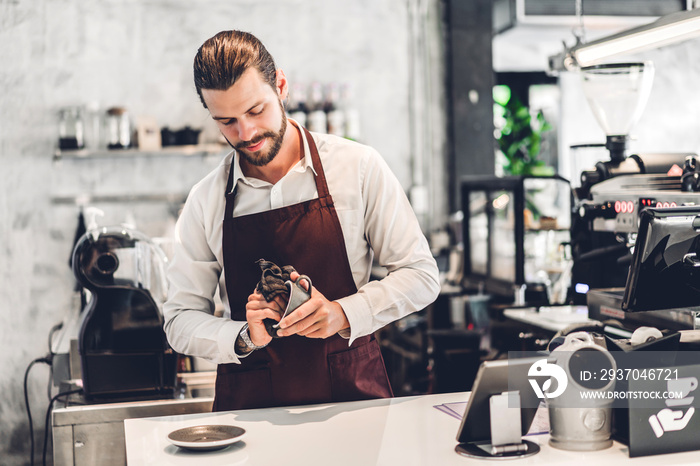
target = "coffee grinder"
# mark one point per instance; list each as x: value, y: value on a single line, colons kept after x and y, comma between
x: 617, y: 94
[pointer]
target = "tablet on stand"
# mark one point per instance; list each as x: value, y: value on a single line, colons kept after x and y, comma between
x: 499, y: 412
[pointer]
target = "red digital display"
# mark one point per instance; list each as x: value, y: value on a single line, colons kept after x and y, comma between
x: 624, y: 207
x: 651, y: 202
x: 627, y: 207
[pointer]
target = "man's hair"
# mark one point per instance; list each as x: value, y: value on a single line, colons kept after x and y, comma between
x: 221, y: 60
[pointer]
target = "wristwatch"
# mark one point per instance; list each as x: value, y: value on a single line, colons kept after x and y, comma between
x: 245, y: 336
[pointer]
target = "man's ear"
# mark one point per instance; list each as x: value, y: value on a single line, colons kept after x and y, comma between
x: 282, y: 85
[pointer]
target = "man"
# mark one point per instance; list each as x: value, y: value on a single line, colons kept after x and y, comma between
x: 322, y: 204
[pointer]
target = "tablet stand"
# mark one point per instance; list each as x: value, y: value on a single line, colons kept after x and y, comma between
x: 506, y: 432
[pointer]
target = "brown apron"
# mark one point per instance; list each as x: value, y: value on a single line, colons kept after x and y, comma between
x: 295, y: 370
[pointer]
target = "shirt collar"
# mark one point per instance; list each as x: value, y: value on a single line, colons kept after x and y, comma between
x: 300, y: 167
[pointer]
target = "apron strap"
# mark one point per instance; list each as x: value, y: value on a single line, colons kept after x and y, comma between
x: 321, y: 184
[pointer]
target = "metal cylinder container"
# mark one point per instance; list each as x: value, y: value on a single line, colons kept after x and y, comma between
x: 580, y: 418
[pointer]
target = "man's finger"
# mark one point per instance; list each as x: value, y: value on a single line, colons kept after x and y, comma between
x: 299, y: 314
x: 260, y: 315
x: 298, y: 326
x: 259, y: 305
x: 276, y: 304
x: 256, y: 297
x: 316, y: 330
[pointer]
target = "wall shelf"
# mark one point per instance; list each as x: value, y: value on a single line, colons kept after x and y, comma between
x: 199, y: 150
x: 84, y: 199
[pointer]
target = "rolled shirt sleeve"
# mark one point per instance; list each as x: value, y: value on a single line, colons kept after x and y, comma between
x: 394, y: 235
x: 194, y: 275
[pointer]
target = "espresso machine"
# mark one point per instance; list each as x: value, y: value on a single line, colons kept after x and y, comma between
x: 610, y: 197
x: 122, y: 345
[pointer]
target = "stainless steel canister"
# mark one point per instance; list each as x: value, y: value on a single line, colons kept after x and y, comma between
x: 580, y: 417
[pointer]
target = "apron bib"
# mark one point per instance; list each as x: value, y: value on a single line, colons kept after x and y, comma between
x: 295, y: 370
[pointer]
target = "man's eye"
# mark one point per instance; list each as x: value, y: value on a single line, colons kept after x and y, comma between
x: 228, y: 122
x: 257, y: 111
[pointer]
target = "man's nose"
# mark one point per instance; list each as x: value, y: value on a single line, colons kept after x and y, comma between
x: 246, y: 130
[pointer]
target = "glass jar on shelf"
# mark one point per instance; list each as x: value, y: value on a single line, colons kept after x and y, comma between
x: 118, y: 128
x: 71, y: 128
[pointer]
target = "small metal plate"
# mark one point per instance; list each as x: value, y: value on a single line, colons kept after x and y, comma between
x: 212, y: 437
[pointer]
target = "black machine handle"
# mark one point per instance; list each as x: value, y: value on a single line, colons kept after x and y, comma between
x: 691, y: 260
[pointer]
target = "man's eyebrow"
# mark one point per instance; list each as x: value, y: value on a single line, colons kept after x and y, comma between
x: 232, y: 118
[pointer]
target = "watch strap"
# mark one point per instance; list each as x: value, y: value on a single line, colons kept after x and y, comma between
x: 245, y: 336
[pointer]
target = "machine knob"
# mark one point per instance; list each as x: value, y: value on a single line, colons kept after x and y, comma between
x: 690, y: 182
x: 690, y: 179
x: 590, y: 211
x: 590, y: 177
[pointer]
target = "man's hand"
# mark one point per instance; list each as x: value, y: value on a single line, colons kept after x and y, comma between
x: 316, y: 318
x: 256, y: 310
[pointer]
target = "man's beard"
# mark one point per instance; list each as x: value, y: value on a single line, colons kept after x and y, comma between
x: 276, y: 139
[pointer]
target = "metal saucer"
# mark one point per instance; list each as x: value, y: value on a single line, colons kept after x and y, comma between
x: 206, y: 437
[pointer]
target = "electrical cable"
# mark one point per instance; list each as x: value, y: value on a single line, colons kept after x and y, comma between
x: 53, y: 330
x: 48, y: 387
x: 48, y: 418
x: 45, y: 360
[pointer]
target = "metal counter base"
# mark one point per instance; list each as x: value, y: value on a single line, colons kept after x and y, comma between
x: 94, y: 434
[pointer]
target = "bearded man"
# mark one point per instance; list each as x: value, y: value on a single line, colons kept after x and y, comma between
x: 324, y: 205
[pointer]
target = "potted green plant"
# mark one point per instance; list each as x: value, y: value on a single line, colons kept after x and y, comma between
x: 519, y: 135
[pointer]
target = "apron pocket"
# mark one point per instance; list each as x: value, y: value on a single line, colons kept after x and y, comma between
x: 243, y: 389
x: 359, y: 374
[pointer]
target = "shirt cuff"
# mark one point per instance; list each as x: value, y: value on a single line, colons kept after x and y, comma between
x: 356, y: 310
x: 227, y: 341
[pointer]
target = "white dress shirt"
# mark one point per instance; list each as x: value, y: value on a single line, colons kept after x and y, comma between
x: 376, y: 219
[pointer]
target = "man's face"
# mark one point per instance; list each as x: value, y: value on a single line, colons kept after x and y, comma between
x: 250, y: 115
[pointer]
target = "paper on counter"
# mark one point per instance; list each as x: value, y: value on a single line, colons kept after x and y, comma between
x: 455, y: 410
x: 540, y: 424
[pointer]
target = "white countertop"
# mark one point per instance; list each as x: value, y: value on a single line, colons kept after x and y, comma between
x: 401, y: 431
x: 554, y: 318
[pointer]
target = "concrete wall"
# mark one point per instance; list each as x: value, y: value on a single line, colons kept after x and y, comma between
x: 138, y: 53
